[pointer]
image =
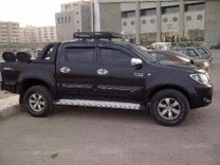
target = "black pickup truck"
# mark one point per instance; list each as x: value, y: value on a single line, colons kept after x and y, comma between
x: 95, y: 70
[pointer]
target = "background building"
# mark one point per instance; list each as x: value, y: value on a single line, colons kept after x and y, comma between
x: 45, y: 34
x: 74, y: 17
x: 160, y: 19
x: 31, y: 34
x: 27, y: 34
x: 9, y: 32
x: 194, y: 20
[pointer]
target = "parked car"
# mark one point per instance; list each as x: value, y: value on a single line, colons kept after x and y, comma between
x: 165, y: 56
x: 93, y: 70
x: 205, y: 53
x: 192, y: 52
x: 161, y: 45
x: 217, y: 46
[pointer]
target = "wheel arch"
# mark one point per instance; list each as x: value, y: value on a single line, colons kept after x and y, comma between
x: 25, y: 83
x: 163, y: 87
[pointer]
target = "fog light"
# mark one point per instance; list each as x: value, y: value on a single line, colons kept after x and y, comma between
x: 206, y: 100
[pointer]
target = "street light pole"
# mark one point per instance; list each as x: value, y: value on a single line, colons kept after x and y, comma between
x: 92, y: 16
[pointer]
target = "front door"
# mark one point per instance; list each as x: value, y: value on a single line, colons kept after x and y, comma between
x: 118, y: 80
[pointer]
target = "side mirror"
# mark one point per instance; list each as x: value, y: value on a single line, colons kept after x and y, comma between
x: 137, y: 63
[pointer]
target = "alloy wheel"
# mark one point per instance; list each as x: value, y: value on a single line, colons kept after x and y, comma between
x: 169, y: 108
x: 37, y: 102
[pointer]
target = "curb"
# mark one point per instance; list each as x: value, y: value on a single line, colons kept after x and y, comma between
x: 7, y: 112
x: 10, y: 106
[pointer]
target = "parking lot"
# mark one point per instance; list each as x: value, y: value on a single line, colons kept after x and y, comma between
x: 93, y: 136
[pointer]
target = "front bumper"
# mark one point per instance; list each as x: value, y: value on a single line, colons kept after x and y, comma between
x: 200, y: 95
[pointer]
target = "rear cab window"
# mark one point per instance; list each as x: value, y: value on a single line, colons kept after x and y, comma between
x: 84, y: 55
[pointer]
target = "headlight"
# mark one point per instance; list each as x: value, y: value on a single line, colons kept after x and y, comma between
x: 202, y: 78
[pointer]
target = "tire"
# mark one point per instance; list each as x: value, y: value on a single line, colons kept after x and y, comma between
x: 38, y: 101
x: 169, y: 107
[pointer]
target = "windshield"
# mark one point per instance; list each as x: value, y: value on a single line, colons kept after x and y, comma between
x: 143, y: 54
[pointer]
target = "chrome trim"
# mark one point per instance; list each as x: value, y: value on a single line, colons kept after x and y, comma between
x: 102, y: 71
x: 65, y: 69
x: 97, y: 103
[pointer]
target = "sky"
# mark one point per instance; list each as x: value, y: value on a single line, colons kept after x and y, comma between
x: 31, y: 12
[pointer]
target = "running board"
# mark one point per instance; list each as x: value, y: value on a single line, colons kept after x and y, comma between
x: 102, y: 104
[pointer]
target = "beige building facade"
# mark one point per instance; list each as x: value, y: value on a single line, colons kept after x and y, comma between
x: 9, y: 32
x: 32, y: 34
x: 74, y: 17
x: 27, y: 34
x: 45, y: 34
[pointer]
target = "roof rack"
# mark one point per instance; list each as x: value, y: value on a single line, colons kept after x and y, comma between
x: 96, y: 35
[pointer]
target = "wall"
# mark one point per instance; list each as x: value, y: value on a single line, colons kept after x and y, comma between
x: 110, y: 17
x: 212, y: 23
x: 65, y: 30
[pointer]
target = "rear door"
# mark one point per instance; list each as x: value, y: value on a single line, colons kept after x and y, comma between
x: 76, y: 70
x: 117, y: 79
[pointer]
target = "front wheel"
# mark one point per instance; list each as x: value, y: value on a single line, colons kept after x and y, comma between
x: 169, y: 107
x: 38, y: 101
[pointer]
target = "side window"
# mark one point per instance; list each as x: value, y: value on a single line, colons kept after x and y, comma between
x: 202, y: 51
x: 114, y: 57
x: 48, y: 54
x: 80, y: 55
x: 192, y: 53
x: 182, y: 51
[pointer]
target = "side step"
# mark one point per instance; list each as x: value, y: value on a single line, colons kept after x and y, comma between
x: 102, y: 104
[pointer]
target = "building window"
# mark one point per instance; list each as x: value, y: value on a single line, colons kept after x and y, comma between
x: 58, y: 20
x: 77, y: 13
x: 124, y: 23
x: 152, y: 21
x: 65, y: 19
x: 128, y: 14
x: 188, y: 18
x: 62, y: 20
x: 199, y: 17
x: 69, y: 19
x: 77, y: 21
x: 144, y: 22
x: 132, y: 22
x: 195, y: 7
x: 170, y: 9
x: 175, y: 19
x: 78, y: 30
x: 148, y: 12
x: 165, y: 20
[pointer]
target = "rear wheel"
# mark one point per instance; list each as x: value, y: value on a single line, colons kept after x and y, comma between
x: 169, y: 107
x: 38, y: 101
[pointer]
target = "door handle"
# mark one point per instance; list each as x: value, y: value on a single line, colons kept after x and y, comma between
x: 102, y: 71
x: 65, y: 69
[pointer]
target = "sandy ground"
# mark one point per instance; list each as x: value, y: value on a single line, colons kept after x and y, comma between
x: 5, y: 94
